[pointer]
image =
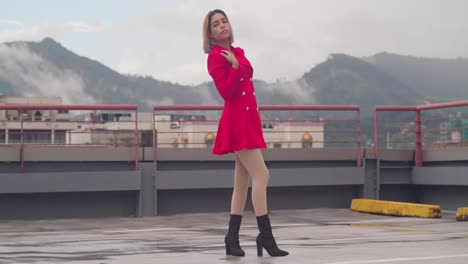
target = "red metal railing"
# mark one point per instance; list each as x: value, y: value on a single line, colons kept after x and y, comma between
x: 417, y: 131
x: 295, y: 126
x: 57, y: 125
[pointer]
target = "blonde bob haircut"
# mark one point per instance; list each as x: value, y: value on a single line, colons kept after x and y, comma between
x: 207, y: 40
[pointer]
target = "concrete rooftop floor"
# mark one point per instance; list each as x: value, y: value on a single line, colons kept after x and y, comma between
x: 326, y: 236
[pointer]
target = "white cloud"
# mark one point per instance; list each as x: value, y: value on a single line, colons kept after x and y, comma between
x: 165, y: 44
x: 187, y: 74
x: 282, y: 38
x: 191, y: 4
x: 162, y: 101
x: 82, y: 26
x: 206, y: 96
x: 4, y: 23
x: 56, y: 29
x: 37, y: 77
x: 299, y: 91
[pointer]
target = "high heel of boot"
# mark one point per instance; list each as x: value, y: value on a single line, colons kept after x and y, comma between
x: 259, y: 250
x: 266, y: 240
x: 269, y: 244
x: 232, y: 247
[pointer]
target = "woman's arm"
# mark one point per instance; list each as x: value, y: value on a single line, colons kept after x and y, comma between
x: 225, y: 77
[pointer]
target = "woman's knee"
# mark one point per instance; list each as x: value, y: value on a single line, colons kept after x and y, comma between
x: 241, y: 184
x: 262, y: 175
x: 267, y: 176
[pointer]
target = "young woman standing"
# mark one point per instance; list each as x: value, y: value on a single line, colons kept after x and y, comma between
x: 239, y: 131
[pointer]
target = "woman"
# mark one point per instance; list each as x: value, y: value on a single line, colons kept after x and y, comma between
x: 239, y: 131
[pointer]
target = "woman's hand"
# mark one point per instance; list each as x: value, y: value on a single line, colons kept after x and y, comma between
x: 231, y: 58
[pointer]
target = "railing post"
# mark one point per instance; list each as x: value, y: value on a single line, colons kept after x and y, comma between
x: 52, y: 136
x: 359, y: 157
x: 22, y: 141
x: 136, y: 141
x: 376, y: 135
x: 418, y: 147
x: 154, y: 135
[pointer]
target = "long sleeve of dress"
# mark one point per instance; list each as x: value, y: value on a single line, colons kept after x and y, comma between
x: 225, y: 77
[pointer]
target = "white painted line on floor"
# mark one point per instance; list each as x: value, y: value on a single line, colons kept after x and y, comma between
x: 162, y: 229
x: 399, y: 236
x: 188, y: 228
x: 400, y: 259
x: 276, y: 225
x: 312, y: 242
x: 95, y: 231
x: 283, y: 241
x: 370, y: 238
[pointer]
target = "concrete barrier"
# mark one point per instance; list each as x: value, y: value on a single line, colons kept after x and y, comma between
x: 396, y: 208
x: 462, y: 214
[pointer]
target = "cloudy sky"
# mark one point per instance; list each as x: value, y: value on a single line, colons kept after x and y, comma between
x: 282, y: 38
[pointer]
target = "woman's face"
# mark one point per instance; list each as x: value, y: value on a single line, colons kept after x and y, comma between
x: 220, y: 28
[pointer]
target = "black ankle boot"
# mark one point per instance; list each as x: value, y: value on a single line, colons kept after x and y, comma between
x: 265, y: 239
x: 232, y: 238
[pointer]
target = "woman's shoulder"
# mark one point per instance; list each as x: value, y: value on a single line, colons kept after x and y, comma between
x: 215, y: 53
x: 215, y: 59
x: 238, y: 50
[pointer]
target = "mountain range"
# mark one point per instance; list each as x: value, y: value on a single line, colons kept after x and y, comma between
x: 46, y: 68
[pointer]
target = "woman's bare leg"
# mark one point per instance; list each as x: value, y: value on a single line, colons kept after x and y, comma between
x: 241, y: 188
x: 254, y: 163
x: 256, y: 167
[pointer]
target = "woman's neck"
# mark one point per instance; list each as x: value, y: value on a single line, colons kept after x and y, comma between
x: 224, y: 44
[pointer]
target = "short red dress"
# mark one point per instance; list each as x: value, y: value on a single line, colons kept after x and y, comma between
x: 240, y: 126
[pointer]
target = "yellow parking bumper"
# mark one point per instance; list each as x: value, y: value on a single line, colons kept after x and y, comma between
x: 397, y: 208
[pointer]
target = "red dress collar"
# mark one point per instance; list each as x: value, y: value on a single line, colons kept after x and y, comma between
x: 236, y: 50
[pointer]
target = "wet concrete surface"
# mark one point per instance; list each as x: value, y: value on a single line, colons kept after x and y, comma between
x: 329, y: 236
